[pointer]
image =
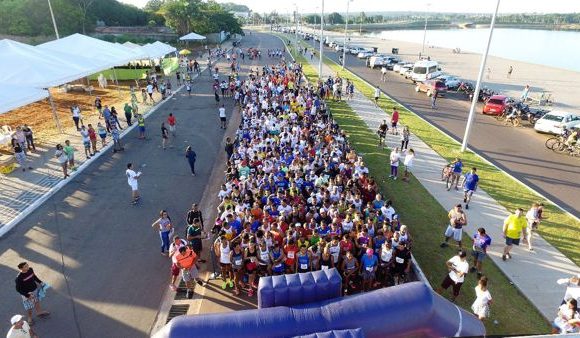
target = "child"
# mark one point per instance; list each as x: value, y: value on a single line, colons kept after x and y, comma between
x: 93, y: 139
x: 102, y: 134
x: 86, y: 141
x: 70, y: 154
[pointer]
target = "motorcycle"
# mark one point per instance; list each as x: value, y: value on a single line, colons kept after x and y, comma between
x: 467, y: 89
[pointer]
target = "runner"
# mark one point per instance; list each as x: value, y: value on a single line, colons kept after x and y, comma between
x: 481, y: 241
x: 513, y: 226
x: 480, y: 306
x: 457, y: 220
x: 222, y: 115
x: 185, y: 260
x: 132, y: 180
x: 470, y: 185
x: 29, y: 286
x: 165, y: 228
x: 368, y: 268
x: 172, y: 122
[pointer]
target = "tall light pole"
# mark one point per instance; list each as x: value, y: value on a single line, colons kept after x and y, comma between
x: 53, y: 20
x: 425, y: 32
x: 296, y: 27
x: 321, y: 51
x: 479, y: 77
x: 345, y: 34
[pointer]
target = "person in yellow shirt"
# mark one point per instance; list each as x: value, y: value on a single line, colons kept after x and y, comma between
x: 513, y: 226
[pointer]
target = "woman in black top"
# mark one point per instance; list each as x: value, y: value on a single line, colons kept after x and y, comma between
x: 27, y: 284
x: 164, y: 135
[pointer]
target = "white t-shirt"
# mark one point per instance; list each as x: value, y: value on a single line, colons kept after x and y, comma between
x: 408, y: 162
x: 150, y: 89
x: 23, y: 332
x: 132, y: 177
x: 395, y: 157
x: 377, y: 92
x: 460, y: 266
x: 222, y: 111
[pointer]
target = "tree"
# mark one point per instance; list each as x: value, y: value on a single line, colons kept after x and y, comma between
x: 154, y: 5
x: 335, y: 18
x: 84, y: 6
x: 312, y: 19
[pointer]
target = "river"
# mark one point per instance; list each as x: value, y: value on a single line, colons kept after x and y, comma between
x: 559, y: 49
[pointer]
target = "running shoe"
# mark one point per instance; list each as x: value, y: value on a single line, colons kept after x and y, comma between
x: 224, y: 285
x: 231, y: 283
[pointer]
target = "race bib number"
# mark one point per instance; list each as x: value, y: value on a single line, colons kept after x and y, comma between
x: 291, y: 254
x: 399, y: 260
x: 278, y: 266
x: 238, y: 262
x: 303, y: 266
x: 369, y: 268
x: 324, y: 267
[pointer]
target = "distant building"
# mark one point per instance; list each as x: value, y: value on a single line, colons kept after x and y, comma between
x: 155, y: 33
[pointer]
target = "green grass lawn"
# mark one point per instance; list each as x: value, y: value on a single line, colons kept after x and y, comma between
x: 427, y: 220
x: 122, y: 74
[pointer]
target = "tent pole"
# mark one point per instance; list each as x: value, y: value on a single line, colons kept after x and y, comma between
x: 117, y: 82
x: 54, y: 114
x: 89, y: 87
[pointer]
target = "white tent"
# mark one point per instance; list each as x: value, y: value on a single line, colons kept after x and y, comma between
x: 131, y: 45
x: 164, y: 47
x: 24, y: 65
x: 13, y: 97
x: 192, y: 37
x: 109, y: 54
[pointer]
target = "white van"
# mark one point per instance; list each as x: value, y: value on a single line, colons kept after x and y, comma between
x: 555, y: 121
x: 424, y: 70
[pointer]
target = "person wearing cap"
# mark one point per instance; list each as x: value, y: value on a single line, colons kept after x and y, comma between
x: 368, y: 268
x: 457, y: 220
x: 27, y: 284
x: 458, y: 267
x: 572, y: 287
x: 20, y: 328
x: 481, y: 241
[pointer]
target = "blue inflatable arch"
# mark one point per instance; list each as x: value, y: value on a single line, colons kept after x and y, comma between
x: 411, y: 309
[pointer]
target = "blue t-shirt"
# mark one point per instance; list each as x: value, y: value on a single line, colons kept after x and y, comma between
x: 458, y: 167
x: 236, y: 225
x: 471, y: 181
x: 369, y: 262
x: 481, y: 242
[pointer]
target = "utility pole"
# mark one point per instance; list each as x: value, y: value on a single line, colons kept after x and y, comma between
x: 345, y: 34
x: 321, y: 51
x: 53, y: 20
x: 477, y: 86
x: 425, y: 32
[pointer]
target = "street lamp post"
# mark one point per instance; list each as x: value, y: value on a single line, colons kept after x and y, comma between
x: 425, y: 32
x: 321, y: 50
x: 53, y: 20
x: 345, y: 34
x: 479, y: 77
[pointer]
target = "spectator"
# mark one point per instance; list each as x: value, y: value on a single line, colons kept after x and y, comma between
x: 513, y: 226
x: 28, y: 286
x: 458, y: 268
x: 28, y: 134
x: 481, y: 241
x: 568, y: 320
x: 572, y: 288
x: 457, y: 220
x: 62, y: 159
x: 480, y: 306
x: 20, y: 328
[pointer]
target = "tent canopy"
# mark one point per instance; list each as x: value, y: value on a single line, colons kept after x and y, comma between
x: 13, y: 97
x: 25, y: 65
x: 164, y: 47
x: 192, y: 37
x: 109, y: 54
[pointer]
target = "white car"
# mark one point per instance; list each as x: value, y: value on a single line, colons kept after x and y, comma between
x: 451, y: 82
x: 355, y: 50
x: 365, y: 54
x: 405, y: 67
x: 555, y: 121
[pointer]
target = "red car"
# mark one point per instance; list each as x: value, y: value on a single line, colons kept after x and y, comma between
x: 495, y: 105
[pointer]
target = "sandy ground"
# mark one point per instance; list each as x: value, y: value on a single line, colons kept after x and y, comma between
x: 560, y: 83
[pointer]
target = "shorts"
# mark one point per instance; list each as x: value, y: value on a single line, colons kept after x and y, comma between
x: 251, y: 267
x: 368, y: 275
x: 394, y: 124
x: 174, y: 270
x: 87, y: 144
x: 171, y: 128
x: 223, y: 119
x: 468, y: 192
x: 512, y: 241
x: 447, y: 282
x: 455, y: 233
x: 478, y: 255
x: 141, y: 129
x: 189, y: 274
x: 103, y: 136
x: 29, y: 302
x: 134, y: 186
x: 225, y: 265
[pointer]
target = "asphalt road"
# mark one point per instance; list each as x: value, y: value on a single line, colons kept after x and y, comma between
x: 519, y: 151
x: 106, y: 248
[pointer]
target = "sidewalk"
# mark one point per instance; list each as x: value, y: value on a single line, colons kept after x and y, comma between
x: 533, y: 273
x: 23, y: 191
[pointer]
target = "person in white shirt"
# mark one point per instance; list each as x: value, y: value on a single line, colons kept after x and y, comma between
x: 395, y: 158
x: 572, y: 287
x: 20, y: 328
x: 384, y: 74
x: 132, y: 180
x: 408, y: 163
x: 222, y: 113
x: 533, y: 219
x: 150, y: 91
x: 480, y: 306
x: 458, y: 268
x: 377, y: 95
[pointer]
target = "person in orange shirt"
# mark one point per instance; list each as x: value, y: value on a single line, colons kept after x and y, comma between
x: 185, y: 260
x: 290, y: 251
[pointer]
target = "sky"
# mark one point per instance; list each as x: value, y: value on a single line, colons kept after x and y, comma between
x: 464, y: 6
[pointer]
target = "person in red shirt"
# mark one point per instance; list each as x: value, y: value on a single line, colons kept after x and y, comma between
x: 290, y: 251
x: 395, y: 120
x: 172, y: 123
x: 93, y: 138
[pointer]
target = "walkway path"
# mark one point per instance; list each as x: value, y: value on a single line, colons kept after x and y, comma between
x: 534, y: 273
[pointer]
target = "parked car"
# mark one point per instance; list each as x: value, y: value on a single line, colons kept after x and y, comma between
x: 405, y: 68
x: 496, y: 105
x: 451, y: 82
x: 555, y: 121
x: 365, y: 54
x: 356, y: 50
x: 430, y: 86
x: 392, y: 62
